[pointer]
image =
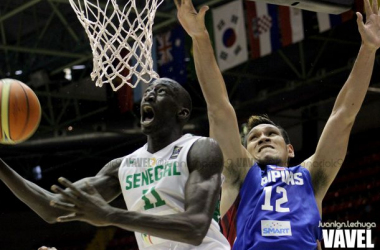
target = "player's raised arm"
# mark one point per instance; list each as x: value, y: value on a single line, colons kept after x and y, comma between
x: 223, y: 122
x: 38, y: 199
x: 205, y: 163
x: 332, y: 146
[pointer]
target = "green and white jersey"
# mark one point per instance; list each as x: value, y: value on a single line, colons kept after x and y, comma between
x: 155, y: 184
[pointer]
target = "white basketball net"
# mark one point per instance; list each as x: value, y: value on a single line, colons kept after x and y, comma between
x: 122, y: 48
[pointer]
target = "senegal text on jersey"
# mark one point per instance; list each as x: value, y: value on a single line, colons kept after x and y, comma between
x: 151, y: 175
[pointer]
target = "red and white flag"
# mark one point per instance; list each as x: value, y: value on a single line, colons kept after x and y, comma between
x: 328, y: 21
x: 291, y: 25
x: 271, y: 27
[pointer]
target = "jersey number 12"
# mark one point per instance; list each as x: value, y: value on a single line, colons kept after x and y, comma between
x: 267, y: 203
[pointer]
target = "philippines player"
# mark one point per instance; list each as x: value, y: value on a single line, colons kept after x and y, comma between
x: 279, y: 206
x: 162, y: 183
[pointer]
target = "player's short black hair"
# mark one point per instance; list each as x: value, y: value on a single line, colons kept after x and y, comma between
x: 183, y: 97
x: 256, y: 120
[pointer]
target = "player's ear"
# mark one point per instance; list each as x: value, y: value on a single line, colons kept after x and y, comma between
x: 291, y: 153
x: 183, y: 114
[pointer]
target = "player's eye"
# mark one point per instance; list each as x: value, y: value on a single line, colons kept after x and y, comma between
x: 161, y: 91
x: 253, y: 137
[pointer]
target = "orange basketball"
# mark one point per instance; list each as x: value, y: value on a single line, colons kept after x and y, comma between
x: 20, y: 111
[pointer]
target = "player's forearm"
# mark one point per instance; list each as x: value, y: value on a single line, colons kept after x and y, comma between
x: 351, y: 97
x: 186, y: 228
x: 32, y: 195
x: 209, y: 75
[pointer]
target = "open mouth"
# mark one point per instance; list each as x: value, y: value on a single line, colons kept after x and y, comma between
x: 264, y: 147
x: 147, y: 115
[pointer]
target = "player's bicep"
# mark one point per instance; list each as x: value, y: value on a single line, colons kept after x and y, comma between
x: 205, y: 161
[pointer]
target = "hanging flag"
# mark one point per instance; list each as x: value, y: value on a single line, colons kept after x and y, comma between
x: 171, y: 55
x: 271, y: 27
x: 230, y: 36
x: 291, y: 25
x: 328, y: 21
x: 263, y: 24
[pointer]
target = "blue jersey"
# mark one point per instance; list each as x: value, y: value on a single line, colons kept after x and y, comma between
x: 277, y: 210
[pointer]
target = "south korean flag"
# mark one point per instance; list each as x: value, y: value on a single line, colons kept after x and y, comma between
x: 230, y: 35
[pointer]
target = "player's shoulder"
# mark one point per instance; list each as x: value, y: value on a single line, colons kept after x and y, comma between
x: 301, y: 169
x: 205, y: 153
x: 197, y: 143
x: 204, y: 145
x: 298, y: 168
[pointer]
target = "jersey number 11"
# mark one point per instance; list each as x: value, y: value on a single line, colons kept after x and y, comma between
x: 148, y: 204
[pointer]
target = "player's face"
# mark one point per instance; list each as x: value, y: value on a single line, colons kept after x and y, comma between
x: 158, y: 107
x: 267, y: 146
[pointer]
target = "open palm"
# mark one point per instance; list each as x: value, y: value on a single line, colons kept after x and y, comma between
x: 192, y: 21
x: 370, y: 30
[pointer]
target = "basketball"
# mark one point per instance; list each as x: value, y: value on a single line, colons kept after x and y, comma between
x: 20, y: 112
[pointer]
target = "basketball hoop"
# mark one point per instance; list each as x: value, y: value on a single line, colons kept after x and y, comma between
x: 112, y: 31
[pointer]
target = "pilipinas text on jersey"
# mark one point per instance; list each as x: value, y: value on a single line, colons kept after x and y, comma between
x: 277, y: 210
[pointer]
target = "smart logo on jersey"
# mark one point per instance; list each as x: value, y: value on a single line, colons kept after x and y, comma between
x: 275, y: 228
x: 175, y: 153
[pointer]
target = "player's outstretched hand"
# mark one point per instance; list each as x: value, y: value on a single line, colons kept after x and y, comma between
x: 86, y: 206
x: 370, y: 30
x: 47, y: 248
x: 191, y: 20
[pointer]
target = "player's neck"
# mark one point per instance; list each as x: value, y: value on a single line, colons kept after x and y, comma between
x: 160, y: 140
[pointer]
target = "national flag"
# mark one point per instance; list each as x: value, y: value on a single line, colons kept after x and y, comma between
x: 171, y: 54
x: 230, y: 36
x: 328, y: 21
x: 291, y: 25
x: 263, y: 25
